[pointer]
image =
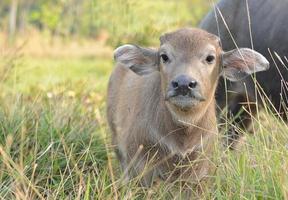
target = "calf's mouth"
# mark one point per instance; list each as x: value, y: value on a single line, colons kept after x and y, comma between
x: 184, y: 101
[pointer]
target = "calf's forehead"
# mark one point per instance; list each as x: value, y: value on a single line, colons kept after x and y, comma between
x: 189, y: 40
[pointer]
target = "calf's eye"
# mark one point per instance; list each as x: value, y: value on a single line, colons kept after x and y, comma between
x: 210, y: 59
x: 164, y: 58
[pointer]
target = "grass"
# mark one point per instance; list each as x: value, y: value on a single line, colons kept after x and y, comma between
x: 54, y: 141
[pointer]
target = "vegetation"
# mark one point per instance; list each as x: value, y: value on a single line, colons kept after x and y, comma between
x: 131, y: 20
x: 54, y: 139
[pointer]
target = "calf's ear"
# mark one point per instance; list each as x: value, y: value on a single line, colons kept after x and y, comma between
x: 239, y: 63
x: 140, y: 60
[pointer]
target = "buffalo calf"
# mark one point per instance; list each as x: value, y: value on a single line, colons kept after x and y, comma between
x: 161, y: 107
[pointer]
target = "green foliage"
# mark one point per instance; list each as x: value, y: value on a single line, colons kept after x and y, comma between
x: 138, y: 21
x: 46, y: 14
x: 143, y: 21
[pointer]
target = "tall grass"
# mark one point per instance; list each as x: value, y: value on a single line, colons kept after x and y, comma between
x: 55, y: 144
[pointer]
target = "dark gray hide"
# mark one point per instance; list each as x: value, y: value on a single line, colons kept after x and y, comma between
x: 269, y: 22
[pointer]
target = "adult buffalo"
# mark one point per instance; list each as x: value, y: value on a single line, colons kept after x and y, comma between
x: 258, y: 24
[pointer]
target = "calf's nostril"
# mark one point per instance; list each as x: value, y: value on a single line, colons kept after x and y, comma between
x: 192, y: 84
x: 175, y: 84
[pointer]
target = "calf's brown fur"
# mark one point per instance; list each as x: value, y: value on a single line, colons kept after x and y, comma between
x: 161, y: 107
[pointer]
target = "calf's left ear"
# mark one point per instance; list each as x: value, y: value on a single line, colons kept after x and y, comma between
x: 140, y: 60
x: 239, y: 63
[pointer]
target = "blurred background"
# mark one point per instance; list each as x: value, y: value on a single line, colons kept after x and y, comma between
x: 110, y: 22
x: 57, y: 40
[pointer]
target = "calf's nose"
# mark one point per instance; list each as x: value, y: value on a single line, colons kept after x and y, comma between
x: 184, y: 84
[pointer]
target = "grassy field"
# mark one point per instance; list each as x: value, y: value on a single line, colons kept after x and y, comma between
x: 54, y: 141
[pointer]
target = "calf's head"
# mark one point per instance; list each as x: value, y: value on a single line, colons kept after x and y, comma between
x: 190, y: 61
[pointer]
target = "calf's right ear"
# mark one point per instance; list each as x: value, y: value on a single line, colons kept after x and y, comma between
x: 239, y: 63
x: 140, y: 60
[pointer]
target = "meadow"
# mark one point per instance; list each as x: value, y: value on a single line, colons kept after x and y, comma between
x: 54, y: 139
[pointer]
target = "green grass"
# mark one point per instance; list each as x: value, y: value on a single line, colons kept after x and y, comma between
x: 44, y: 73
x: 54, y: 141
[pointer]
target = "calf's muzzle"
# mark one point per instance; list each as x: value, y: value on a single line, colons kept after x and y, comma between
x: 183, y: 85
